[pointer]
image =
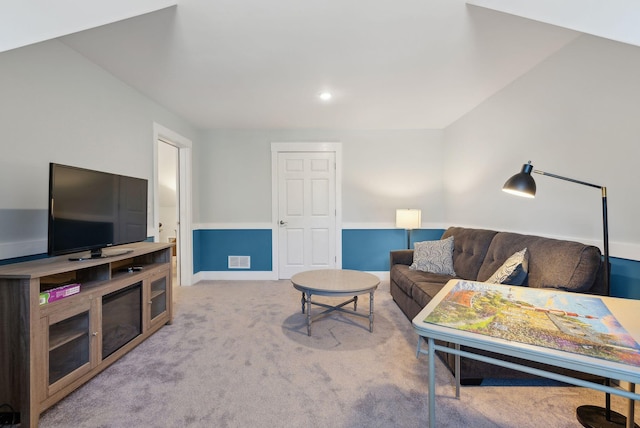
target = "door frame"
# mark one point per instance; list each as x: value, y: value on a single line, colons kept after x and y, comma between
x: 276, y: 149
x: 185, y: 235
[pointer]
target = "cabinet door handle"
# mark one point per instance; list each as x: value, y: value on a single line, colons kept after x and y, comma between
x: 94, y: 334
x: 151, y: 302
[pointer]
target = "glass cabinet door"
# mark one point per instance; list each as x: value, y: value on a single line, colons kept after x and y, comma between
x: 159, y: 296
x: 69, y: 345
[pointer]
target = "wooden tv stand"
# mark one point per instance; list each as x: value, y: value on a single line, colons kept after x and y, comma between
x: 50, y: 350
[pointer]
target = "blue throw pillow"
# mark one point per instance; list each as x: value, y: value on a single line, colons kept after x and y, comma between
x: 513, y: 271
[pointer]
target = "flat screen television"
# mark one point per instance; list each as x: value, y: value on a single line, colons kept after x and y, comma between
x: 92, y: 210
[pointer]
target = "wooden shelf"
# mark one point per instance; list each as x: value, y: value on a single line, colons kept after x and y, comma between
x: 43, y: 337
x: 156, y: 293
x: 63, y: 337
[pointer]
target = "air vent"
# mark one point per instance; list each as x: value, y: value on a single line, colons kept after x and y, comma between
x: 239, y: 262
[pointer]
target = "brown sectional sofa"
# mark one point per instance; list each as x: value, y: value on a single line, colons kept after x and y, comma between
x: 477, y: 254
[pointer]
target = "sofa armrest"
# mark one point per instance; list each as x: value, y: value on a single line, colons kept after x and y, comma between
x: 400, y: 257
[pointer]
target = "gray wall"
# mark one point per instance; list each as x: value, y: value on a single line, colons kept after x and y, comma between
x: 577, y: 114
x: 55, y: 106
x: 382, y: 171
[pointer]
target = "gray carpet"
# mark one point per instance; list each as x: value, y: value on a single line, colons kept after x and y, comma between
x: 237, y: 355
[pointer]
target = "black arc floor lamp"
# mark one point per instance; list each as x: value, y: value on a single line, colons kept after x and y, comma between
x: 523, y: 184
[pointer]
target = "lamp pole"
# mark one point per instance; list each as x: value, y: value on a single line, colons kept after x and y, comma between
x: 605, y: 223
x: 522, y: 184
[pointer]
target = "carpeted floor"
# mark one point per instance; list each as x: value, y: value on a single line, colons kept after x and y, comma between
x: 238, y: 355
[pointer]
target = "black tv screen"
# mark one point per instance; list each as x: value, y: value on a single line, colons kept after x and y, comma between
x: 91, y: 210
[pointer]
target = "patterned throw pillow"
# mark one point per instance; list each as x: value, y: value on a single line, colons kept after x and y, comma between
x: 434, y: 256
x: 513, y: 271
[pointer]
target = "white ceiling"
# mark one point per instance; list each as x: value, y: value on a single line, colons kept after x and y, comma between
x: 403, y: 64
x: 613, y: 19
x: 25, y: 22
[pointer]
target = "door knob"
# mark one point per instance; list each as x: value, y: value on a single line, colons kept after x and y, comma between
x: 283, y: 223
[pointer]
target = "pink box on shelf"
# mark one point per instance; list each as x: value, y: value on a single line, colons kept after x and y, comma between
x: 59, y: 293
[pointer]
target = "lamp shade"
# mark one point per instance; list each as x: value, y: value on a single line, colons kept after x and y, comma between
x: 408, y: 218
x: 521, y: 184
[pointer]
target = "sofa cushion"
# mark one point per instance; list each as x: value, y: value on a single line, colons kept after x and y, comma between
x: 407, y: 278
x: 404, y: 277
x: 553, y: 263
x: 469, y: 249
x: 513, y: 271
x: 434, y: 256
x: 424, y: 291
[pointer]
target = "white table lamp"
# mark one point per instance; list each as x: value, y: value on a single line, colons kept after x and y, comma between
x: 408, y: 219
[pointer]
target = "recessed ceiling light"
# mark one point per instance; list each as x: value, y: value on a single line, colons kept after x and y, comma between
x: 325, y: 96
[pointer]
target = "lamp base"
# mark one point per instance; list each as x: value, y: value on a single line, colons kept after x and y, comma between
x: 595, y: 417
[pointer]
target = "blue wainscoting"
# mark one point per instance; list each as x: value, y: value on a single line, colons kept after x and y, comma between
x: 625, y: 278
x: 362, y: 249
x: 39, y: 256
x: 211, y: 249
x: 368, y: 249
x: 23, y: 259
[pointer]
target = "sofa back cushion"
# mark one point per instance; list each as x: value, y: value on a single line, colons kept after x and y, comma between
x: 553, y: 263
x: 470, y: 247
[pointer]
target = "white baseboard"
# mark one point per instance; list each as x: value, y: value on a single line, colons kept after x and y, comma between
x: 236, y: 276
x: 254, y: 276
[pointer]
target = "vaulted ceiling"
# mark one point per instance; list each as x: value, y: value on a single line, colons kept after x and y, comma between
x: 409, y: 64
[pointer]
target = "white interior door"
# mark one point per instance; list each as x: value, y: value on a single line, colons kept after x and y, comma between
x: 164, y: 135
x: 168, y: 197
x: 306, y: 212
